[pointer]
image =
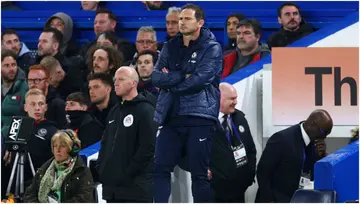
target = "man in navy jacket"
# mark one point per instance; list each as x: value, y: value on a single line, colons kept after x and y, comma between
x: 188, y: 75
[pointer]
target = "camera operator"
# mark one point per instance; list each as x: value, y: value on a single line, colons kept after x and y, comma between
x: 64, y: 178
x: 39, y: 142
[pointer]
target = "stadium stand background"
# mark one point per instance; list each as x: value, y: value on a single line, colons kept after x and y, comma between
x: 132, y: 15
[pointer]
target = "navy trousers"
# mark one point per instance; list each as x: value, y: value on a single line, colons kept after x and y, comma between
x: 171, y: 144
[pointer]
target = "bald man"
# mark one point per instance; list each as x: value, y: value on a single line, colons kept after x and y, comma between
x: 233, y: 153
x: 127, y: 149
x: 287, y: 162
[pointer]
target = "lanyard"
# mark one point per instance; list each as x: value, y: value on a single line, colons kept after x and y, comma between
x: 304, y: 158
x: 303, y: 162
x: 235, y: 131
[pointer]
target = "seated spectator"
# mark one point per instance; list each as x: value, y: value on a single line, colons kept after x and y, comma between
x: 102, y: 96
x: 156, y: 5
x: 145, y: 40
x: 231, y: 23
x: 38, y: 77
x: 88, y: 128
x: 64, y: 23
x: 105, y: 20
x: 172, y: 22
x: 39, y: 142
x: 104, y: 59
x: 89, y: 5
x: 10, y: 40
x: 50, y: 42
x: 145, y: 66
x: 13, y: 88
x: 248, y: 50
x: 64, y: 178
x: 63, y: 83
x: 107, y: 38
x: 293, y: 26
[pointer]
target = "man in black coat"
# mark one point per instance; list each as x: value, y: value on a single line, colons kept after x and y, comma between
x: 287, y: 162
x: 233, y: 154
x: 293, y: 26
x: 126, y: 156
x: 87, y: 127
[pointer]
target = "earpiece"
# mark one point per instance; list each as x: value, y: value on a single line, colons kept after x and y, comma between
x: 75, y: 149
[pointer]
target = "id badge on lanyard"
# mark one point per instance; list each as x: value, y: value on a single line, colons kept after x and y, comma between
x: 305, y: 178
x: 239, y: 151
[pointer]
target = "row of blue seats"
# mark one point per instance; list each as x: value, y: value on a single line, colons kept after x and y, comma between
x: 207, y: 5
x: 30, y: 23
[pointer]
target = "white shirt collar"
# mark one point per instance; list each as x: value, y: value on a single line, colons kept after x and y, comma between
x: 305, y: 135
x: 221, y: 115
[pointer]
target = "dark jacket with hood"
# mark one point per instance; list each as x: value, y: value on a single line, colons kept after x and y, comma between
x: 25, y: 59
x: 68, y: 48
x: 234, y: 61
x: 87, y: 127
x: 77, y: 187
x: 56, y: 108
x: 12, y: 104
x: 126, y: 155
x: 282, y: 38
x: 197, y: 95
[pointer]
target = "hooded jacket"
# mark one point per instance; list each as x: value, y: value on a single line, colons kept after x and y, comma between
x: 126, y: 155
x: 25, y: 59
x: 197, y: 95
x: 283, y: 37
x: 12, y: 104
x: 234, y: 61
x: 68, y: 48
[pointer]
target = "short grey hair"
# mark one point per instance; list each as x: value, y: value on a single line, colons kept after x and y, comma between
x: 173, y: 9
x: 146, y: 29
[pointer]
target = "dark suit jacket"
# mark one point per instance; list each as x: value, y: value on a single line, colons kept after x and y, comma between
x: 227, y: 180
x: 279, y: 168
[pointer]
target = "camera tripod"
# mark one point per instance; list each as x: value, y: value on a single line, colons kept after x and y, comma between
x: 18, y: 166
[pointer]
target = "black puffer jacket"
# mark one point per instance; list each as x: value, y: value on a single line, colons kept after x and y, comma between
x: 76, y: 188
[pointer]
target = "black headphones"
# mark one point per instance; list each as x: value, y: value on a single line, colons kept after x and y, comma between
x: 75, y: 149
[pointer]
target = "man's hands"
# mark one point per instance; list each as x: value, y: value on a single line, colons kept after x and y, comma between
x: 165, y: 70
x: 209, y: 174
x: 320, y: 148
x: 7, y: 157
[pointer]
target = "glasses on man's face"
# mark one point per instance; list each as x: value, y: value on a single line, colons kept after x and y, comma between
x: 35, y: 81
x: 321, y: 130
x: 148, y: 42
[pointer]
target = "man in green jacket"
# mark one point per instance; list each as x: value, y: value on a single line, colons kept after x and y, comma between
x: 13, y: 89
